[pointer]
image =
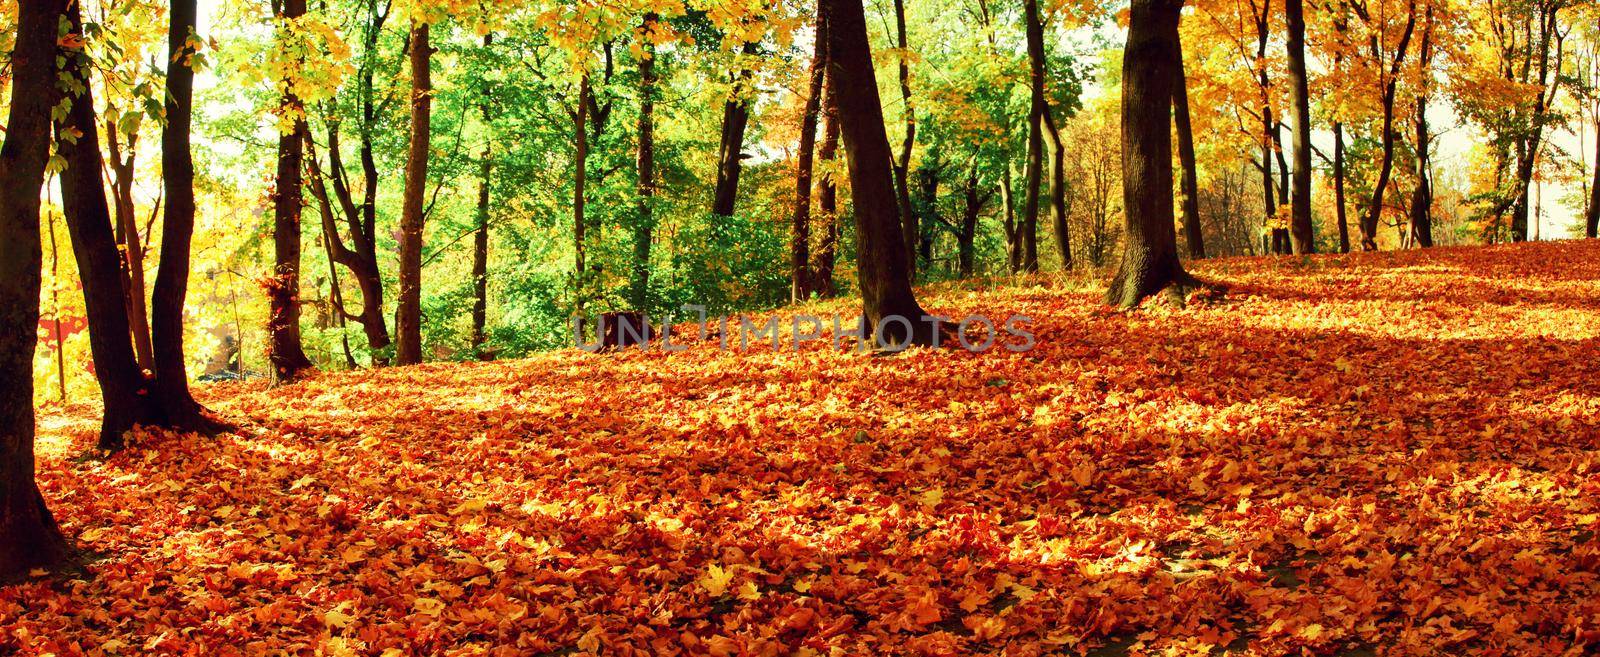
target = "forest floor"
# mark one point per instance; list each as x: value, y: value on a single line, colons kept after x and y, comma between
x: 1373, y: 454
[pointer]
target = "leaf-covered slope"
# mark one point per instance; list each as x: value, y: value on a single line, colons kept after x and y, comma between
x: 1396, y: 453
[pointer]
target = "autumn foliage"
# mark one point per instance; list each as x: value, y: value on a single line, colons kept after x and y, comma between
x: 1388, y: 453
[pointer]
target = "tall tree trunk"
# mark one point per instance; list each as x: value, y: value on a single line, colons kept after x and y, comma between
x: 1300, y: 229
x: 31, y: 537
x: 881, y: 261
x: 408, y: 312
x: 800, y: 274
x: 177, y: 230
x: 134, y: 290
x: 1192, y: 233
x: 288, y: 355
x: 1041, y: 126
x: 730, y: 155
x: 1369, y: 223
x: 1422, y: 197
x: 828, y: 195
x: 646, y: 166
x: 580, y: 181
x: 480, y: 239
x: 967, y: 232
x: 1591, y: 217
x: 909, y: 221
x: 123, y: 387
x: 1338, y: 187
x: 1150, y: 249
x: 1528, y: 151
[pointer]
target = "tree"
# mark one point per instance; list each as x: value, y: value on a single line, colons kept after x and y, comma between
x: 289, y: 359
x: 1422, y: 197
x: 1042, y: 127
x: 124, y: 389
x: 645, y: 162
x: 408, y: 313
x: 730, y: 155
x: 360, y: 255
x: 828, y: 194
x: 1150, y: 250
x: 909, y: 225
x: 31, y: 537
x: 1389, y: 66
x: 881, y: 263
x: 800, y: 233
x: 1300, y: 230
x: 1193, y: 236
x: 177, y: 229
x: 480, y: 239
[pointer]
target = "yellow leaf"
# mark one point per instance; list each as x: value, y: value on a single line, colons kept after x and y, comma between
x: 716, y: 580
x: 429, y: 606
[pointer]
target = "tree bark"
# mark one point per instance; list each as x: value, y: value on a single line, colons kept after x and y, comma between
x: 288, y: 355
x: 1369, y: 223
x: 909, y: 221
x: 126, y: 231
x: 125, y: 391
x: 1150, y: 251
x: 408, y: 313
x: 646, y: 166
x: 881, y: 263
x: 580, y: 181
x: 480, y: 239
x: 800, y: 275
x: 177, y: 230
x: 1422, y: 197
x: 1043, y: 126
x: 730, y: 155
x: 1591, y: 217
x: 1528, y: 148
x: 1338, y: 187
x: 967, y: 232
x: 31, y: 537
x: 828, y: 194
x: 1193, y: 236
x: 1301, y: 232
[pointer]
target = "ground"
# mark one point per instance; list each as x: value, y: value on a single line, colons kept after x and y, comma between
x: 1374, y: 454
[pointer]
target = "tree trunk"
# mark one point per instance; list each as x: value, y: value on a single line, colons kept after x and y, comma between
x: 1338, y: 187
x: 1422, y: 197
x: 177, y: 230
x: 828, y: 195
x: 123, y: 388
x: 1591, y: 218
x: 882, y: 270
x: 967, y: 232
x: 1528, y: 152
x: 126, y: 230
x: 408, y: 312
x: 1150, y: 252
x: 730, y: 155
x: 31, y: 537
x: 800, y: 275
x: 646, y: 165
x: 580, y: 180
x: 1369, y: 223
x: 1192, y: 233
x: 288, y: 355
x: 909, y: 221
x: 480, y: 239
x: 1300, y: 229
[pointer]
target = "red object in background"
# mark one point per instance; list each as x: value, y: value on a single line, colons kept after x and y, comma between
x: 58, y: 330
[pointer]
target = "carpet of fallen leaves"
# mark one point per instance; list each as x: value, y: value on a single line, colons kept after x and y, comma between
x: 1378, y: 454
